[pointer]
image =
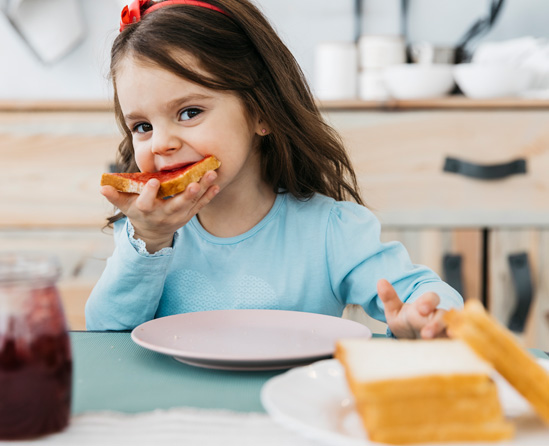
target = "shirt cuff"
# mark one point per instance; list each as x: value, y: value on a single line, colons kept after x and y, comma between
x: 140, y: 246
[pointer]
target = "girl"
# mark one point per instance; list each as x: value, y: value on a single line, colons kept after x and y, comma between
x: 271, y: 228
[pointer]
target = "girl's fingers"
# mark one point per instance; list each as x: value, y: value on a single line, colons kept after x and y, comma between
x: 208, y: 178
x: 146, y: 201
x: 427, y: 303
x: 390, y: 298
x: 212, y: 192
x: 178, y: 209
x: 200, y: 188
x: 436, y: 327
x: 118, y: 199
x: 109, y: 193
x: 206, y: 198
x: 194, y: 191
x: 197, y: 194
x: 193, y: 195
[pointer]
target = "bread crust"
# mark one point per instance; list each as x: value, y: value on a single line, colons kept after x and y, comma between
x: 135, y: 182
x: 448, y: 432
x: 493, y: 342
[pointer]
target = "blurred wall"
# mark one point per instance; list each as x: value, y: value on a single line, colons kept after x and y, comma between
x: 302, y: 24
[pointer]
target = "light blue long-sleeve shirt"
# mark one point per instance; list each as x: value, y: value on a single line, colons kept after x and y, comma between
x: 316, y: 256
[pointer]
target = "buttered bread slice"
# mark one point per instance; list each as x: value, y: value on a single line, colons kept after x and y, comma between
x: 422, y: 391
x: 497, y: 345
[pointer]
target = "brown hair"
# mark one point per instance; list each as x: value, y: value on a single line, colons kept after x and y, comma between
x: 301, y: 155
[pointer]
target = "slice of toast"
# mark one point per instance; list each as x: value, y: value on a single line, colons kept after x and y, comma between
x: 497, y: 345
x: 416, y: 391
x: 172, y: 182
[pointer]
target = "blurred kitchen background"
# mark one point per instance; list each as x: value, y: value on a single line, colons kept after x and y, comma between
x: 460, y: 179
x: 58, y: 49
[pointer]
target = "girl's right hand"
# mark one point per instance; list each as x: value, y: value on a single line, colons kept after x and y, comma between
x: 155, y: 220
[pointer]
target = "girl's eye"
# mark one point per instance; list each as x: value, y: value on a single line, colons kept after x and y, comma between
x: 190, y: 113
x: 142, y: 128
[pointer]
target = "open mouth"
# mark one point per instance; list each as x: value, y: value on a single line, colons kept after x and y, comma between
x: 177, y: 167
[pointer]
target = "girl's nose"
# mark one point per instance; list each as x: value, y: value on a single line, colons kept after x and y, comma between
x: 165, y: 142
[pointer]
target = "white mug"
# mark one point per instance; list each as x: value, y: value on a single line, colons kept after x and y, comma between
x: 335, y: 73
x: 378, y: 51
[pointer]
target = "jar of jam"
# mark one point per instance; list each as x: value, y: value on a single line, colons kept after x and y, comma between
x: 35, y: 353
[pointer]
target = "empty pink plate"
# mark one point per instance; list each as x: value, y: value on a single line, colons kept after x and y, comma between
x: 246, y: 339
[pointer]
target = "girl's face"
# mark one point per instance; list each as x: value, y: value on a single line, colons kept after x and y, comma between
x: 175, y: 122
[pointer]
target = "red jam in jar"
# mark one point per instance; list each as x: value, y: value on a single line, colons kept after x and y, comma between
x: 35, y: 353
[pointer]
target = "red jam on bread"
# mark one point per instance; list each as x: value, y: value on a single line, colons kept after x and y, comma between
x: 172, y: 182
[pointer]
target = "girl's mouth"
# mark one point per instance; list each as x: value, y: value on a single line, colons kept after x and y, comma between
x: 177, y: 167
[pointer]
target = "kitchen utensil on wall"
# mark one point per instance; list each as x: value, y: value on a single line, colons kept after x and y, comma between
x: 461, y: 50
x: 358, y: 19
x: 336, y: 68
x: 50, y: 28
x: 480, y: 27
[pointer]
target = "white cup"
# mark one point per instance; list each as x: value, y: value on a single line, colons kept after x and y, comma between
x: 336, y: 71
x: 378, y: 51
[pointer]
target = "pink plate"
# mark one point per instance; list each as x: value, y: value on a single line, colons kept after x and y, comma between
x: 246, y: 339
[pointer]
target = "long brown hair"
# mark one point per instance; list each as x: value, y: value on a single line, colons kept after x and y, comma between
x: 301, y: 155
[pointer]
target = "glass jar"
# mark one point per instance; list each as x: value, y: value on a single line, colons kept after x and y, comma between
x: 35, y: 353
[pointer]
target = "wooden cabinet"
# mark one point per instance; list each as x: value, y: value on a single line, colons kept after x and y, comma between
x: 518, y: 276
x: 400, y: 158
x: 454, y: 254
x: 447, y: 219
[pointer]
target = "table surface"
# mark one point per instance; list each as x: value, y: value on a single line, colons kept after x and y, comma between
x: 111, y: 372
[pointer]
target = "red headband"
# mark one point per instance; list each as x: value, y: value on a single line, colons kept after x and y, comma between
x: 132, y: 12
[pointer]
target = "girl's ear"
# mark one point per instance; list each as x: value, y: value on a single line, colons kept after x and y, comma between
x: 262, y: 128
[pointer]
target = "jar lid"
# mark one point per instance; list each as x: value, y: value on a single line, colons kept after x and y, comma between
x: 28, y: 266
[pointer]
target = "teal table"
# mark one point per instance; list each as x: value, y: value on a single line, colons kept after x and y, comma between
x: 111, y: 372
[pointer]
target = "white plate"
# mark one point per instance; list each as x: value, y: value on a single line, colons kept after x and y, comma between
x: 316, y: 402
x: 246, y: 339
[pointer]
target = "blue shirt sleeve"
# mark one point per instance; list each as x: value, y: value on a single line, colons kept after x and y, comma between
x: 129, y: 290
x: 357, y: 260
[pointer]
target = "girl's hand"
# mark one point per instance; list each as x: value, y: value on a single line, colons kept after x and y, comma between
x: 419, y: 319
x: 155, y: 220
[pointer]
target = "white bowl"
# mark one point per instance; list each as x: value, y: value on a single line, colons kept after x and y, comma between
x: 419, y: 81
x: 484, y: 81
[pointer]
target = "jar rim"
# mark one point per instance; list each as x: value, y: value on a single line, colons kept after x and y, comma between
x: 28, y: 266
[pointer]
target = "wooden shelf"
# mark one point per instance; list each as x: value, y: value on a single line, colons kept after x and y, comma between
x: 55, y: 105
x: 455, y: 102
x: 449, y: 102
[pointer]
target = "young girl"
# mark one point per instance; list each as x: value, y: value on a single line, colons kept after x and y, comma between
x: 271, y: 228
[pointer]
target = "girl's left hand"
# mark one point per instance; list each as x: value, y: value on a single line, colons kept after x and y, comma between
x: 419, y: 319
